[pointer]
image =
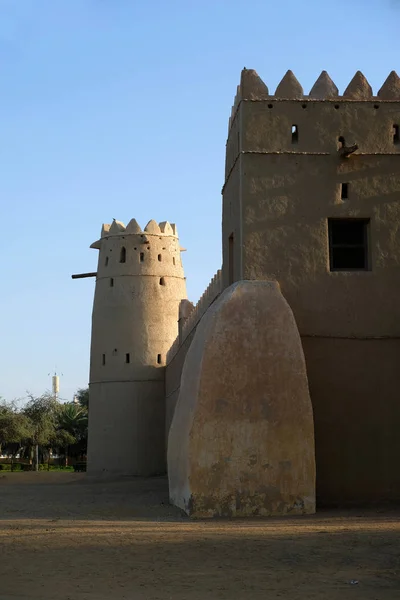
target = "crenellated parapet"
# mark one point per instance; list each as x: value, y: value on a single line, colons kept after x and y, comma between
x: 131, y: 250
x: 253, y: 88
x: 133, y: 227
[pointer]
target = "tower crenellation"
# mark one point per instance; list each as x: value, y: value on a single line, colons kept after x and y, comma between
x: 129, y: 250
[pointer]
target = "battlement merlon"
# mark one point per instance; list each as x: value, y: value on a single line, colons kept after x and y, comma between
x: 117, y: 228
x: 253, y: 88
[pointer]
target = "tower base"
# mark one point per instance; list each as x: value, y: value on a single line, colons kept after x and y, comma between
x: 127, y: 429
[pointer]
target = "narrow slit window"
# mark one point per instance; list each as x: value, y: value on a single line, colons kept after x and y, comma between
x: 341, y: 142
x: 103, y: 359
x: 159, y: 257
x: 162, y: 280
x: 295, y: 134
x: 344, y: 193
x: 122, y: 256
x: 142, y: 257
x: 396, y: 134
x: 127, y: 358
x: 348, y: 244
x: 173, y: 260
x: 159, y: 359
x: 106, y: 261
x: 111, y: 282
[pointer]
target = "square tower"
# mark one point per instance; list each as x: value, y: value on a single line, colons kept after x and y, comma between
x: 312, y: 199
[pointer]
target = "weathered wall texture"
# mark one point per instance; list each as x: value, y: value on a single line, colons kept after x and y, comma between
x: 241, y: 441
x: 189, y: 319
x: 140, y: 284
x: 286, y: 190
x: 173, y: 374
x: 354, y: 387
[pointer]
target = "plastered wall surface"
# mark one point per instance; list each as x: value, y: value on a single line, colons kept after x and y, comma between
x: 354, y: 390
x: 241, y: 441
x: 126, y: 432
x: 173, y: 374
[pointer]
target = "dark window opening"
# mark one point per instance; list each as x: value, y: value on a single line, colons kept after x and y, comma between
x: 231, y: 259
x: 141, y: 256
x: 342, y: 142
x: 348, y: 244
x: 111, y: 282
x: 127, y: 358
x: 159, y: 359
x: 103, y: 359
x: 396, y: 134
x: 122, y: 257
x: 162, y: 281
x: 173, y: 260
x: 295, y: 134
x: 344, y: 191
x: 159, y: 257
x: 106, y: 261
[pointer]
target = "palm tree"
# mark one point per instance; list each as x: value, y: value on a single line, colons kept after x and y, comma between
x: 73, y: 421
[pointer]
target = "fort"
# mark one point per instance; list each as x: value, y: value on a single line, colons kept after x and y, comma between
x: 278, y: 392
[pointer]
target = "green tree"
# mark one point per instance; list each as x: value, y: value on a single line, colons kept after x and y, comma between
x: 42, y: 413
x: 73, y: 419
x: 83, y: 397
x: 15, y: 428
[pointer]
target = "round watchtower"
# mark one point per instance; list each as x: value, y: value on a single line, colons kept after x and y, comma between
x: 139, y: 285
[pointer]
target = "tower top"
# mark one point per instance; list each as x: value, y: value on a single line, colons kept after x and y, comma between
x: 117, y: 228
x: 252, y: 89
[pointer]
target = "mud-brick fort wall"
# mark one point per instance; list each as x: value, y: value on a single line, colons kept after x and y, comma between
x: 189, y: 318
x: 312, y: 199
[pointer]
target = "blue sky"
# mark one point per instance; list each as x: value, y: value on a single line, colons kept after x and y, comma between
x: 119, y: 108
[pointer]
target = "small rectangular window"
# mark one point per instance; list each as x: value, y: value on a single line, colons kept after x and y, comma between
x: 111, y: 282
x: 141, y: 256
x: 159, y: 359
x: 127, y: 358
x: 103, y: 360
x: 396, y: 134
x: 348, y: 244
x: 344, y: 191
x: 295, y: 134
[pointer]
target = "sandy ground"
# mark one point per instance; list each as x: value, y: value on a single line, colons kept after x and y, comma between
x: 66, y: 537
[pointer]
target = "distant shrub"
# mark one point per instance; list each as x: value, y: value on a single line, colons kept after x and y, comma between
x: 10, y: 467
